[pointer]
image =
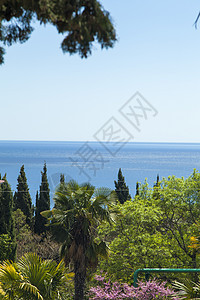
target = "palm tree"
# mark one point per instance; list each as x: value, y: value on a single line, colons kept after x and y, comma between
x: 78, y: 211
x: 32, y: 278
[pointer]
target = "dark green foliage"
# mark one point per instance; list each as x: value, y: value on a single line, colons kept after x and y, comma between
x: 22, y: 198
x: 42, y: 203
x: 62, y: 178
x: 82, y: 22
x: 21, y: 227
x: 6, y: 220
x: 157, y: 181
x: 137, y: 189
x: 6, y: 245
x: 156, y: 188
x: 6, y: 208
x: 36, y: 200
x: 121, y: 188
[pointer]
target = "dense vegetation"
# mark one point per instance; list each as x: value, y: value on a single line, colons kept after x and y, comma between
x: 154, y: 229
x: 99, y: 231
x: 82, y: 22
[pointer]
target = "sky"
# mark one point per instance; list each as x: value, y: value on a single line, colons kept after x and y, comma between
x: 51, y: 96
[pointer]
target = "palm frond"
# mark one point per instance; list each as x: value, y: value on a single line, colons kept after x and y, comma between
x: 78, y: 211
x: 187, y: 289
x: 32, y: 278
x: 28, y: 288
x: 102, y: 192
x: 8, y: 272
x: 47, y: 214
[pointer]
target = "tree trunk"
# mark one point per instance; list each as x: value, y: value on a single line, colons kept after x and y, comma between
x: 79, y: 282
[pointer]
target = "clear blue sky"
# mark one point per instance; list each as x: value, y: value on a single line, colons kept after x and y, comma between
x: 46, y: 95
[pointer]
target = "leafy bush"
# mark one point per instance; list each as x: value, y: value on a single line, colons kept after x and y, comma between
x: 145, y: 291
x: 6, y: 246
x: 34, y: 278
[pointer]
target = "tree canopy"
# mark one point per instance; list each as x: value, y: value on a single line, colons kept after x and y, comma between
x: 153, y: 230
x: 82, y: 22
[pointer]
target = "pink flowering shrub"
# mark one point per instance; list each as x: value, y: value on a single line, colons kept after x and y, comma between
x: 151, y: 290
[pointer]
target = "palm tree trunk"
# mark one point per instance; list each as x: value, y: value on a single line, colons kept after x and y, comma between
x: 79, y: 281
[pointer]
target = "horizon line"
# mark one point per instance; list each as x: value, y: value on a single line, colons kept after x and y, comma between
x: 93, y: 141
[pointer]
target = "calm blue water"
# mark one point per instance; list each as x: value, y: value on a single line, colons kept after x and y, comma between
x: 95, y: 163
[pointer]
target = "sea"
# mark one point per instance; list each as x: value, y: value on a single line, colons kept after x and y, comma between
x: 96, y: 163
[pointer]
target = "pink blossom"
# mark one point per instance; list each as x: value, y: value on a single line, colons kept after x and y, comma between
x: 149, y: 290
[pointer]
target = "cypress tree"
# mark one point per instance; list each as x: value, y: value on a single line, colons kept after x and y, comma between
x: 37, y: 197
x: 137, y: 189
x: 121, y: 188
x: 22, y: 198
x: 36, y: 211
x: 62, y: 178
x: 156, y: 189
x: 6, y: 213
x: 42, y: 203
x: 157, y: 180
